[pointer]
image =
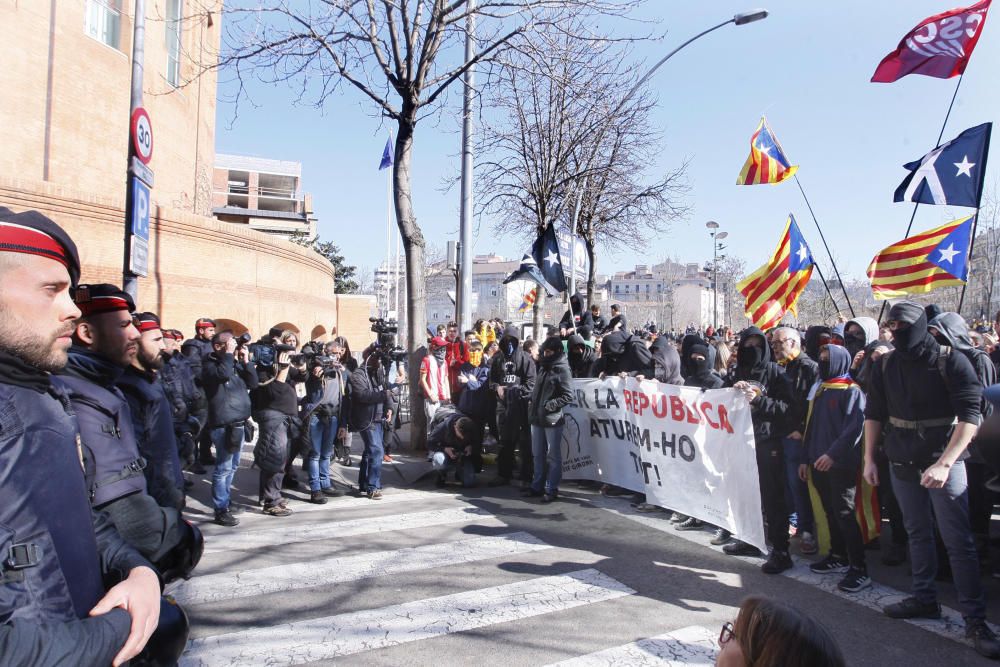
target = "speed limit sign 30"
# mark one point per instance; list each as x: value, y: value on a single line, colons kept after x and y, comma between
x: 142, y: 135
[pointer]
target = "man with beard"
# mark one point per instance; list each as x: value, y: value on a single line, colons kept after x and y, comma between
x: 929, y: 396
x: 105, y: 343
x: 195, y: 350
x: 765, y: 386
x: 152, y: 415
x: 187, y: 400
x: 512, y: 378
x: 56, y: 606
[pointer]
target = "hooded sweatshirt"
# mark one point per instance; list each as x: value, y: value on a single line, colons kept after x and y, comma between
x: 867, y: 342
x: 753, y: 364
x: 552, y: 388
x: 666, y: 361
x: 611, y: 361
x: 908, y: 384
x: 686, y: 343
x: 582, y: 364
x: 955, y: 334
x: 811, y: 341
x: 836, y: 414
x: 512, y: 366
x: 703, y: 374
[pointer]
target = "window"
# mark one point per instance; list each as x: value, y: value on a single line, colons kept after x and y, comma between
x: 103, y: 20
x: 173, y: 38
x: 618, y: 289
x: 493, y: 292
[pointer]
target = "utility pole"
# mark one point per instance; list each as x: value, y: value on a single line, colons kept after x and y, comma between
x: 130, y: 283
x: 463, y: 295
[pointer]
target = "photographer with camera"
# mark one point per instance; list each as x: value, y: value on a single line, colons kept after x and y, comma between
x: 456, y: 441
x: 322, y: 414
x: 228, y: 377
x: 368, y: 400
x: 276, y: 411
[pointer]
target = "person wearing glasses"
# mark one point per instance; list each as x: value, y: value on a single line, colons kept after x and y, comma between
x: 767, y: 632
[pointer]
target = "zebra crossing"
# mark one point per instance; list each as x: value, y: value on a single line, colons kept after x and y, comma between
x: 364, y: 576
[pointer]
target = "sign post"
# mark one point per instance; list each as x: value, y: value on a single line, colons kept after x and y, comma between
x: 139, y: 177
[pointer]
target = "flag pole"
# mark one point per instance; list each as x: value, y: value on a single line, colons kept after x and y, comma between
x: 916, y: 205
x: 827, y: 286
x: 828, y: 253
x: 972, y: 244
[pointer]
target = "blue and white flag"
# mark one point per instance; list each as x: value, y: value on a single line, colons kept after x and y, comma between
x: 386, y: 155
x: 543, y: 264
x: 950, y: 174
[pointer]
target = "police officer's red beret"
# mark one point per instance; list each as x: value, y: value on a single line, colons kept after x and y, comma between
x: 32, y: 233
x: 102, y: 298
x: 147, y: 322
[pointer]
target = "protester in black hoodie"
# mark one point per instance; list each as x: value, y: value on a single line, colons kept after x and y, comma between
x: 512, y: 377
x: 764, y: 384
x: 666, y: 362
x: 550, y: 394
x: 611, y: 361
x: 581, y: 357
x: 577, y: 316
x: 701, y: 361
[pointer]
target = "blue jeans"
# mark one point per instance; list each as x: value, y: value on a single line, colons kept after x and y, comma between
x: 948, y: 507
x: 370, y: 468
x: 546, y: 447
x: 463, y: 467
x: 798, y: 488
x: 322, y: 433
x: 226, y: 464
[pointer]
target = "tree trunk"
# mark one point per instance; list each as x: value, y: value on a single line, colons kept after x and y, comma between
x: 591, y: 271
x: 416, y: 302
x: 536, y: 315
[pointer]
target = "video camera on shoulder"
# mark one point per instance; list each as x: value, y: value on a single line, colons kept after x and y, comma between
x: 385, y: 347
x: 269, y: 351
x: 313, y: 356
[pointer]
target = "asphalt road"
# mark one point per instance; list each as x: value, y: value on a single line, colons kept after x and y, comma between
x: 486, y: 577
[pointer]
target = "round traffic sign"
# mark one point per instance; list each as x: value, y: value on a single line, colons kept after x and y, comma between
x: 142, y: 135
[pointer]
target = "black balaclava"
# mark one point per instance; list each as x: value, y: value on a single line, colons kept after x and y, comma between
x: 700, y: 367
x: 440, y: 354
x: 749, y: 356
x: 912, y: 342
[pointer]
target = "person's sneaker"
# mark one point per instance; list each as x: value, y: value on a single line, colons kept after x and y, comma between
x: 894, y: 555
x: 225, y: 518
x: 499, y: 481
x: 290, y: 483
x: 387, y: 459
x: 856, y: 580
x: 277, y: 510
x: 690, y: 524
x: 830, y: 565
x: 646, y: 507
x: 677, y: 517
x: 549, y: 497
x: 721, y: 536
x: 375, y: 494
x: 739, y: 548
x: 912, y: 608
x: 807, y: 544
x: 317, y: 497
x: 530, y: 492
x: 333, y: 492
x: 777, y: 562
x: 613, y: 491
x: 985, y: 641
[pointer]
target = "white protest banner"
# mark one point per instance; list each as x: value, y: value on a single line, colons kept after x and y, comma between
x: 686, y: 449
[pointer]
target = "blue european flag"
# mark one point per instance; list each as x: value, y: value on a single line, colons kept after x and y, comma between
x: 952, y: 253
x: 386, y: 155
x: 952, y: 173
x: 799, y: 256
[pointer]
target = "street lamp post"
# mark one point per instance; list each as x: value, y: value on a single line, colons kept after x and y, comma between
x: 739, y: 19
x: 716, y: 247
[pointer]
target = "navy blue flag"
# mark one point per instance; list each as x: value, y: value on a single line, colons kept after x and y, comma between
x: 952, y: 173
x: 386, y: 155
x: 543, y: 265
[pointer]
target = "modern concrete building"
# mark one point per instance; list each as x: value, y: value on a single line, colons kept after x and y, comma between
x: 263, y: 194
x: 64, y: 129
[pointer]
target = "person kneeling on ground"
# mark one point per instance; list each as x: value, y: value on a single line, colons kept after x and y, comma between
x: 457, y: 443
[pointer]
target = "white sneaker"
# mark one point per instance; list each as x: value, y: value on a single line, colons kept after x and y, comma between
x: 807, y: 544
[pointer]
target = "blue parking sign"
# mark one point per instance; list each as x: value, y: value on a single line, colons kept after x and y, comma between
x: 139, y: 213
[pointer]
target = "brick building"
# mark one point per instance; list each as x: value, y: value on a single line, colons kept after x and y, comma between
x: 64, y: 119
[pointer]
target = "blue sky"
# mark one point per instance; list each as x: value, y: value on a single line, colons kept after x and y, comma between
x: 807, y: 66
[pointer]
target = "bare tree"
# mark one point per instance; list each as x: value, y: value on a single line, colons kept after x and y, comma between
x: 402, y: 56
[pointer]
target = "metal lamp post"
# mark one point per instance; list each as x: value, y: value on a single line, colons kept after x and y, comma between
x: 717, y: 236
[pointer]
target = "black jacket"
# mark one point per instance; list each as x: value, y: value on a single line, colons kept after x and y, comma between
x: 44, y: 619
x: 512, y: 367
x: 152, y: 421
x: 581, y: 365
x: 367, y: 400
x: 552, y: 390
x: 227, y: 386
x: 769, y: 410
x: 195, y: 350
x: 802, y: 373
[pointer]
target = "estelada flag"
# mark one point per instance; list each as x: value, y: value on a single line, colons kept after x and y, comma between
x: 940, y: 46
x: 529, y: 300
x: 935, y: 258
x: 773, y: 289
x: 767, y: 162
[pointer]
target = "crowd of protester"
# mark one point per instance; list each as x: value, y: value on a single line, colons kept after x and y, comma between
x: 120, y: 406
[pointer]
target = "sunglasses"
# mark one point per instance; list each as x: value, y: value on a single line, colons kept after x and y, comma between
x: 726, y: 634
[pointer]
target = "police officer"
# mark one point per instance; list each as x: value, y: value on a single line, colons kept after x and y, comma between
x: 55, y: 604
x: 152, y: 415
x: 105, y: 342
x: 195, y: 350
x: 187, y: 400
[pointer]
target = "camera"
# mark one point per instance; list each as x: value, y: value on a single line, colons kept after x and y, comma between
x: 267, y: 351
x: 383, y: 326
x: 385, y: 348
x: 313, y: 355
